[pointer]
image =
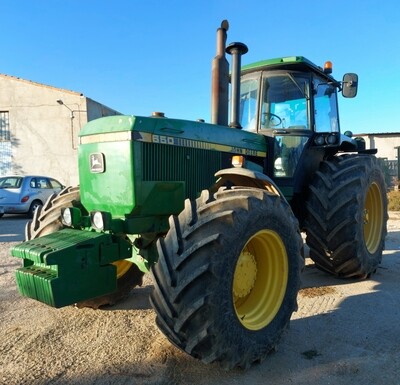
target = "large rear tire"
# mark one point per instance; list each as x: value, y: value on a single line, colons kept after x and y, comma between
x: 228, y: 274
x: 347, y: 215
x: 47, y: 219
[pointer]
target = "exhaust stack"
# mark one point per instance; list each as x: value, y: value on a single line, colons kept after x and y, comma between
x: 220, y: 79
x: 236, y: 50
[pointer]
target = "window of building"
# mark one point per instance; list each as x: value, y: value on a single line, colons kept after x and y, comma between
x: 4, y: 127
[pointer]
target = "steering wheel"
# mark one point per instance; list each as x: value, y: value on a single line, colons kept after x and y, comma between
x: 270, y: 119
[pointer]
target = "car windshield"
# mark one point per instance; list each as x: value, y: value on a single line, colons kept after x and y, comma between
x: 10, y: 182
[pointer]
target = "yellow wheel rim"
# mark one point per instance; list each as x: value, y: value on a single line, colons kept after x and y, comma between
x: 373, y: 218
x: 260, y: 280
x: 122, y: 267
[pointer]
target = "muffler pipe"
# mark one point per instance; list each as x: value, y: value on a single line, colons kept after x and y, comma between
x: 236, y: 50
x: 220, y: 79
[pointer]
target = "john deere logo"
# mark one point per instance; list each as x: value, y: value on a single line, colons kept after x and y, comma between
x: 97, y: 163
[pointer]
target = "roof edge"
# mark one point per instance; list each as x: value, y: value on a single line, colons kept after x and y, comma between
x: 5, y: 76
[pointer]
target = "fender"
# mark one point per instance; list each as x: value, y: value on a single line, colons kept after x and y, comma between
x: 236, y: 176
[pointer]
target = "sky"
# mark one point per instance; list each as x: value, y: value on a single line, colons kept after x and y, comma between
x: 155, y: 55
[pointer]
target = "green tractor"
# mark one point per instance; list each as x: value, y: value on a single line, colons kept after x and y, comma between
x: 215, y: 211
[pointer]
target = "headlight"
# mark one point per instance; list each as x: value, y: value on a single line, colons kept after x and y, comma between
x: 319, y: 140
x: 66, y: 217
x: 326, y: 139
x: 97, y: 220
x: 331, y: 139
x: 71, y: 216
x: 100, y: 220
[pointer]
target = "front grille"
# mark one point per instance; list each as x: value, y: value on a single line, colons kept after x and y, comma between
x: 196, y: 167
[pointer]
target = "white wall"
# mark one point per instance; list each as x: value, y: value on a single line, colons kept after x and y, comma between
x: 385, y: 143
x: 43, y: 132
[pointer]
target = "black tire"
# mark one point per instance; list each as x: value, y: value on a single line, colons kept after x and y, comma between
x: 347, y: 215
x: 228, y: 274
x: 35, y: 205
x: 47, y: 219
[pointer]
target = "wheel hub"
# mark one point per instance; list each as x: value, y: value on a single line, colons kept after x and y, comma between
x: 366, y: 216
x: 245, y: 275
x: 373, y: 218
x: 260, y: 279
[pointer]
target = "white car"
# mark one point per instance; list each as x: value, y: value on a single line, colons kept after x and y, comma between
x: 24, y: 194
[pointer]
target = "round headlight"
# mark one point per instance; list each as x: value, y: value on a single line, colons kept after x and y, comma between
x: 97, y: 220
x: 331, y: 139
x: 66, y: 217
x: 319, y: 140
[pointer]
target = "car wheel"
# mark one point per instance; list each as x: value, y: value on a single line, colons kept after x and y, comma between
x: 34, y: 206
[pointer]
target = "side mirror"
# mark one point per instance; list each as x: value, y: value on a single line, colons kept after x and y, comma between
x: 349, y: 85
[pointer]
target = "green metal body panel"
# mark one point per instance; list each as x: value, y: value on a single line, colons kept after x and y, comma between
x: 98, y: 190
x: 68, y: 266
x: 152, y: 164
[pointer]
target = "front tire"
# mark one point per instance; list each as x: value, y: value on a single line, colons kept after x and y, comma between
x: 47, y: 219
x: 228, y: 274
x: 347, y: 215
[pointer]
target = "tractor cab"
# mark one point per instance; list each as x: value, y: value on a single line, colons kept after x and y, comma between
x: 293, y: 102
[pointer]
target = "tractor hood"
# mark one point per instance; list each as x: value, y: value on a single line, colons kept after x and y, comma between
x: 171, y: 132
x: 147, y: 166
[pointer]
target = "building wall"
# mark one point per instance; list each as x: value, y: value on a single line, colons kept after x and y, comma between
x: 385, y: 143
x: 43, y: 133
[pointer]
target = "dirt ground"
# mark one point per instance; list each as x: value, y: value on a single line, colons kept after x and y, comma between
x: 343, y: 332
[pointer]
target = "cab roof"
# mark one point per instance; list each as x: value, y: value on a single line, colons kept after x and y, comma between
x: 294, y: 63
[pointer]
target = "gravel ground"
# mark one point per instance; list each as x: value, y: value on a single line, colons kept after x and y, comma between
x: 343, y: 332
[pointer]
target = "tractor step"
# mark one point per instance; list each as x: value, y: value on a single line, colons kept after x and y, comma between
x: 66, y: 267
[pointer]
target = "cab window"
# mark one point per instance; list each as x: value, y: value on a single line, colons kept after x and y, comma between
x: 284, y: 103
x: 248, y: 104
x: 325, y: 110
x: 287, y: 153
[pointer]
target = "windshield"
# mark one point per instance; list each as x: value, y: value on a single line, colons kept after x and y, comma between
x: 10, y: 182
x: 284, y: 103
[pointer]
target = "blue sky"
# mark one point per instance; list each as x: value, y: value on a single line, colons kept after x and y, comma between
x: 155, y: 55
